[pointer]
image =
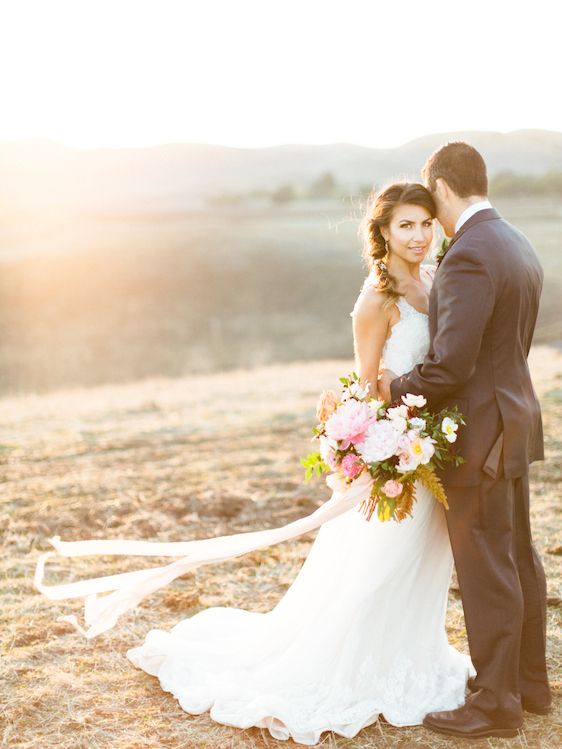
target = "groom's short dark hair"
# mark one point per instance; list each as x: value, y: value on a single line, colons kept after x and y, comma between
x: 462, y: 168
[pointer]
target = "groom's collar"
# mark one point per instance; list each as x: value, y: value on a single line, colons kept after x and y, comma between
x: 487, y: 214
x: 470, y: 211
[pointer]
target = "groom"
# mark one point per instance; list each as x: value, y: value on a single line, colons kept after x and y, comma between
x: 482, y: 312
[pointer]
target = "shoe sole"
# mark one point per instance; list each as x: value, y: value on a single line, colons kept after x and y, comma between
x: 500, y: 733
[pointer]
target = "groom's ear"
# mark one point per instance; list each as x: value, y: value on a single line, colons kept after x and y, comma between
x: 442, y: 189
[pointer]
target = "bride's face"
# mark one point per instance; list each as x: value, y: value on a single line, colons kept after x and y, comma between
x: 410, y: 232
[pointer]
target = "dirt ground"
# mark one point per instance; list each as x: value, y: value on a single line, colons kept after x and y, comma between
x: 176, y: 459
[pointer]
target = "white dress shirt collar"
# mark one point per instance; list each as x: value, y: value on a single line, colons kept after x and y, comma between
x: 470, y: 211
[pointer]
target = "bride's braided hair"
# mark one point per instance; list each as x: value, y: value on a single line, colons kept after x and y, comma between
x: 380, y: 208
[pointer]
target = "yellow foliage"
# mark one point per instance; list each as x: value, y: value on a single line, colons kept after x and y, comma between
x: 406, y: 502
x: 427, y: 476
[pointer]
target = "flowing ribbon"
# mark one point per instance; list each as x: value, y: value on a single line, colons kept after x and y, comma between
x: 129, y: 588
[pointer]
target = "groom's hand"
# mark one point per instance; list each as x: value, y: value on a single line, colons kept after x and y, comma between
x: 385, y: 378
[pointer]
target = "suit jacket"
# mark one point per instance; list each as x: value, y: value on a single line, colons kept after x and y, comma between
x: 482, y: 312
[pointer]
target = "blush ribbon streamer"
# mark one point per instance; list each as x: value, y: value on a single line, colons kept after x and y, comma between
x: 129, y: 588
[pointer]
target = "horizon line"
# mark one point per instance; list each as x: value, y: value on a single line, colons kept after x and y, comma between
x: 165, y: 144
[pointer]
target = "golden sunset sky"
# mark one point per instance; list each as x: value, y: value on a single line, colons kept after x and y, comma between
x: 252, y: 73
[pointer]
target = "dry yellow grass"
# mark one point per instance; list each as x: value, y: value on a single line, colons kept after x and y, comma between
x: 180, y: 459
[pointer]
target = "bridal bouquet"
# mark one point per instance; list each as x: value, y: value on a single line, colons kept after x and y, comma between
x: 398, y: 445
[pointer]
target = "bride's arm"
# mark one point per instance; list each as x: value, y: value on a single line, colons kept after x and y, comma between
x: 370, y: 329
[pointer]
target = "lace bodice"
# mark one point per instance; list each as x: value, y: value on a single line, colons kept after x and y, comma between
x: 408, y: 340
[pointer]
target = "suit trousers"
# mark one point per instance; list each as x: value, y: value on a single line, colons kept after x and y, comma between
x: 503, y: 591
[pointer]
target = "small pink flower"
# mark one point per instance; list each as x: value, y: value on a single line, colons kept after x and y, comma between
x: 392, y: 488
x: 351, y: 465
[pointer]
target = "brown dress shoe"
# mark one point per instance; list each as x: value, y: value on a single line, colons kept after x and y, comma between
x: 468, y: 722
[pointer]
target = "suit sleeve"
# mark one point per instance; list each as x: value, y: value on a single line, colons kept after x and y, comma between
x: 465, y: 302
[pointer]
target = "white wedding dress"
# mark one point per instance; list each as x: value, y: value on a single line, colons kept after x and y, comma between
x: 360, y: 632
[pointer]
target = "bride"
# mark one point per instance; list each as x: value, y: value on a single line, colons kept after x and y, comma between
x: 361, y: 631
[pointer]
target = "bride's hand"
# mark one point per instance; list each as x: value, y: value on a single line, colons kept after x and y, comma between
x: 385, y: 378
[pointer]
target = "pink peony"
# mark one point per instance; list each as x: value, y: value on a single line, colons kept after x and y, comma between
x: 349, y: 422
x: 392, y: 488
x: 351, y: 465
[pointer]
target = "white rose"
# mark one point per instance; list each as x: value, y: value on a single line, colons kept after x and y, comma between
x: 360, y: 392
x: 356, y: 391
x: 400, y: 424
x: 414, y: 400
x: 399, y: 411
x: 417, y: 423
x: 374, y: 406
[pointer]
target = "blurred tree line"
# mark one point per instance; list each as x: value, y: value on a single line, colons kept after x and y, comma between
x: 510, y: 184
x: 326, y: 187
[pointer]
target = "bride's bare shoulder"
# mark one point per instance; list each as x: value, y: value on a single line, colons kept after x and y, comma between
x: 369, y: 306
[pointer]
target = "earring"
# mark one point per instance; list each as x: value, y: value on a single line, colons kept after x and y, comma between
x: 386, y: 246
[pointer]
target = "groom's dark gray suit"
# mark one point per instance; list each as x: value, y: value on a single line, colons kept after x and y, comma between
x: 482, y: 312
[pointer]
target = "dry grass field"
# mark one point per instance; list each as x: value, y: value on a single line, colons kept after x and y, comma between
x: 174, y: 459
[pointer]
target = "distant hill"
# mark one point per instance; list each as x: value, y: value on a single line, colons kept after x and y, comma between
x: 42, y: 175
